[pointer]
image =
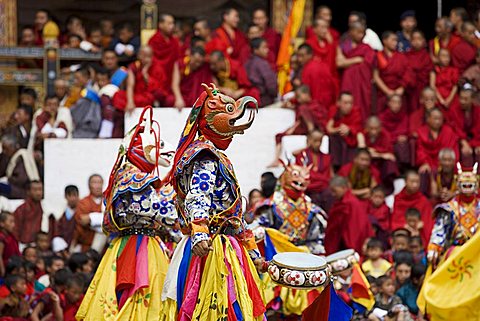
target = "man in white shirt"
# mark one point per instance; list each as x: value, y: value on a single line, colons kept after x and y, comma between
x: 371, y: 38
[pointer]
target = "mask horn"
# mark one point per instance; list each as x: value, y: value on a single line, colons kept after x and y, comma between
x: 459, y: 168
x: 211, y: 91
x: 475, y: 168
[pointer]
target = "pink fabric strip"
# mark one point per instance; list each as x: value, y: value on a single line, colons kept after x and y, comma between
x: 238, y: 250
x: 191, y: 290
x: 230, y: 282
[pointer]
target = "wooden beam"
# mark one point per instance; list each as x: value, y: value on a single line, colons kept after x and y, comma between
x: 8, y: 37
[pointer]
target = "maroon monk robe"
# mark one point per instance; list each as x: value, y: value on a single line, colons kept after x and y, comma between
x: 420, y: 64
x: 446, y: 78
x: 453, y: 41
x: 237, y: 47
x: 167, y: 51
x: 403, y: 201
x: 310, y: 33
x: 28, y: 221
x: 273, y: 39
x: 237, y: 73
x: 428, y: 148
x: 317, y: 76
x: 357, y: 79
x: 396, y: 124
x: 381, y: 215
x: 65, y: 228
x: 348, y: 225
x: 416, y: 120
x: 10, y: 246
x: 325, y: 52
x: 463, y: 55
x: 320, y: 173
x: 191, y: 82
x: 395, y: 72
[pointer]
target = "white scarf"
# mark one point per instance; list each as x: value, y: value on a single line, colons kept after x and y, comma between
x: 28, y: 162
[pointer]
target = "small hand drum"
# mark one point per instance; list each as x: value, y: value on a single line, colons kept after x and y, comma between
x: 343, y: 260
x: 299, y: 270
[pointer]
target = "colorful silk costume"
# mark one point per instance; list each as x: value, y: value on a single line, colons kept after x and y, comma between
x: 130, y: 277
x: 223, y: 284
x: 289, y: 222
x: 455, y: 245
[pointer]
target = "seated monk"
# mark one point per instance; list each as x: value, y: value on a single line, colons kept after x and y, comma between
x: 321, y: 171
x: 232, y: 77
x: 271, y: 36
x: 309, y: 114
x: 463, y: 54
x: 317, y: 76
x: 464, y: 118
x: 396, y: 124
x: 431, y: 138
x: 188, y: 76
x: 428, y: 100
x: 412, y: 197
x: 361, y: 174
x: 442, y: 181
x: 379, y: 214
x: 345, y: 122
x: 144, y: 81
x: 348, y: 225
x: 324, y: 13
x: 379, y: 144
x: 445, y: 38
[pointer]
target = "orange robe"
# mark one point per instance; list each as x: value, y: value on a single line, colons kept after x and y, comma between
x: 83, y: 234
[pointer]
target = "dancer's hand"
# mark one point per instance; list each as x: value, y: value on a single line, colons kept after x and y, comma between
x: 202, y: 248
x: 261, y: 265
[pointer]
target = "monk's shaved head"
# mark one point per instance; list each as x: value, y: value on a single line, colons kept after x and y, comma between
x: 373, y: 121
x: 446, y: 153
x: 339, y: 181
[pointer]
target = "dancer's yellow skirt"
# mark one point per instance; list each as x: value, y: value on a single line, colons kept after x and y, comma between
x: 101, y: 302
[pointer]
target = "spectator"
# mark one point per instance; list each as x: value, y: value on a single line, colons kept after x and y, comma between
x: 463, y: 54
x: 379, y: 214
x: 321, y: 171
x: 356, y: 59
x: 309, y: 114
x: 378, y: 142
x: 108, y: 32
x: 371, y: 38
x: 202, y: 29
x: 19, y: 168
x: 344, y: 124
x: 432, y: 137
x: 32, y: 284
x: 428, y: 100
x: 126, y: 45
x: 20, y: 124
x: 61, y: 91
x: 411, y: 197
x: 395, y: 123
x: 74, y: 27
x: 66, y: 223
x: 348, y: 225
x: 28, y: 216
x: 443, y: 179
x: 375, y: 265
x: 52, y: 265
x: 73, y: 41
x: 392, y: 74
x: 416, y: 247
x: 83, y: 235
x: 271, y: 36
x: 80, y: 263
x: 408, y: 23
x: 27, y: 39
x: 323, y: 13
x: 444, y: 39
x: 253, y: 32
x: 230, y: 38
x: 110, y: 60
x: 53, y: 122
x: 30, y: 254
x: 317, y: 76
x: 409, y: 291
x: 49, y: 301
x: 361, y: 174
x: 145, y: 77
x: 231, y: 76
x: 403, y: 271
x: 166, y: 48
x: 15, y: 305
x: 268, y: 181
x: 42, y: 16
x: 458, y: 16
x: 260, y: 73
x: 73, y: 297
x: 8, y: 241
x: 472, y: 75
x: 420, y: 65
x: 324, y: 46
x: 86, y: 113
x: 189, y: 76
x: 385, y: 300
x: 94, y: 41
x: 414, y: 224
x: 43, y: 244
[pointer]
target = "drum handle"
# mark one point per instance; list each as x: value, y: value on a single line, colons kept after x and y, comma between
x: 224, y: 222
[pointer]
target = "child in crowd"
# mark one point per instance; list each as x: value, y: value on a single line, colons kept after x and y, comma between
x: 375, y: 265
x: 48, y: 301
x: 66, y: 224
x: 403, y: 271
x: 386, y: 298
x: 32, y: 284
x: 73, y: 297
x: 8, y: 242
x: 80, y: 263
x: 379, y: 214
x: 52, y: 265
x: 409, y: 291
x: 417, y: 250
x: 30, y: 254
x: 414, y: 224
x: 42, y: 241
x: 444, y: 78
x: 254, y: 197
x: 15, y: 305
x: 400, y: 240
